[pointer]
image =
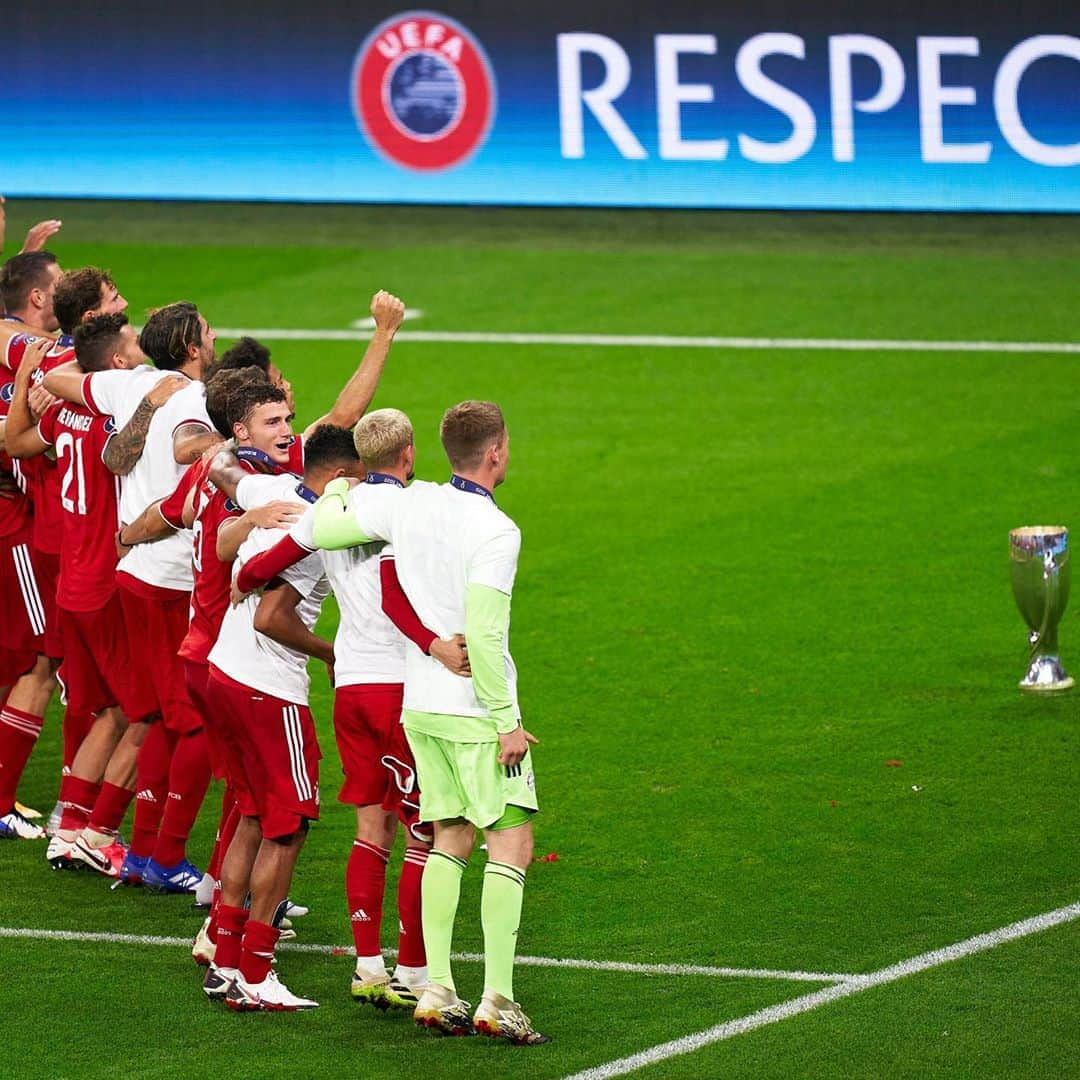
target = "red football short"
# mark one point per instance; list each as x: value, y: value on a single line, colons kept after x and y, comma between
x: 197, y: 675
x: 157, y: 621
x: 273, y: 755
x: 98, y: 671
x: 22, y: 594
x: 375, y: 755
x: 48, y: 573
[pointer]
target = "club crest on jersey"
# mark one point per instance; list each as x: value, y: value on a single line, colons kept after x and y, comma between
x: 423, y: 91
x: 110, y: 426
x: 7, y: 393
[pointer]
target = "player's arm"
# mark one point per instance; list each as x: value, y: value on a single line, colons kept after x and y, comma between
x: 487, y: 622
x: 335, y: 525
x: 149, y: 526
x: 275, y: 515
x: 397, y: 607
x: 191, y: 440
x: 66, y: 382
x: 21, y: 434
x: 226, y: 472
x: 277, y: 618
x: 37, y: 236
x: 354, y: 399
x: 125, y: 448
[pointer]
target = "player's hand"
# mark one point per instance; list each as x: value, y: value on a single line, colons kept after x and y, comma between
x: 514, y: 745
x: 164, y: 389
x: 9, y: 487
x: 38, y: 235
x: 387, y: 311
x: 236, y: 595
x: 39, y: 399
x: 453, y: 654
x: 330, y: 672
x: 121, y: 549
x: 275, y: 515
x: 35, y: 353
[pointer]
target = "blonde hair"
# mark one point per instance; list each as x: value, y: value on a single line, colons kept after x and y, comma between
x: 381, y: 436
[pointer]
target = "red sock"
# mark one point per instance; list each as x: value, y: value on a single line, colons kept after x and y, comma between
x: 189, y: 777
x: 411, y: 939
x: 152, y: 789
x: 18, y: 732
x: 78, y: 797
x: 230, y: 818
x: 110, y: 808
x: 230, y: 933
x: 259, y: 941
x: 215, y: 907
x: 365, y: 883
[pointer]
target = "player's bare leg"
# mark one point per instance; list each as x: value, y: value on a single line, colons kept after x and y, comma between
x: 256, y: 986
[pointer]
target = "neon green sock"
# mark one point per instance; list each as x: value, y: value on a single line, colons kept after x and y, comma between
x: 500, y: 915
x: 440, y: 890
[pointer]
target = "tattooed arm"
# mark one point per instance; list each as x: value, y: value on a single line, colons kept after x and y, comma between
x: 126, y: 446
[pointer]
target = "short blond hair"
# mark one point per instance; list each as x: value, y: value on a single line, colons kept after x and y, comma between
x: 381, y: 436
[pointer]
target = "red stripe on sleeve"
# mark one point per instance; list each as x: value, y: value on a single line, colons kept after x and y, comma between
x: 256, y: 572
x: 399, y: 610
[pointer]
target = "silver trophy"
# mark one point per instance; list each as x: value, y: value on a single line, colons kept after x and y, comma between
x: 1039, y: 561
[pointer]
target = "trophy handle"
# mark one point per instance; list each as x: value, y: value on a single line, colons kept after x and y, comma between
x: 1050, y: 596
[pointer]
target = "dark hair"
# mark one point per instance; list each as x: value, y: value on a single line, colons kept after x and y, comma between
x: 246, y: 353
x: 78, y: 292
x: 168, y: 334
x: 22, y: 273
x: 468, y: 429
x: 97, y: 339
x: 231, y: 395
x: 328, y: 446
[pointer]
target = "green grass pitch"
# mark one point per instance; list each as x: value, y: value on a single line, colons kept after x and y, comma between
x: 749, y: 579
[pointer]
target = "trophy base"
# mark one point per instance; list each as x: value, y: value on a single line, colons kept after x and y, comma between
x: 1046, y: 676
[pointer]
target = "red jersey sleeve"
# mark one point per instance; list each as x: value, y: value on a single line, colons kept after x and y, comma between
x: 267, y: 565
x: 172, y: 507
x: 399, y: 609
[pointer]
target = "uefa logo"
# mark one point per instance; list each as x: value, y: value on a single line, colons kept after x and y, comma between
x: 423, y: 91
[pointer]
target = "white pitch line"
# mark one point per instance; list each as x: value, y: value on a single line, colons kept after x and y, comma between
x: 661, y: 341
x: 853, y: 985
x: 525, y: 961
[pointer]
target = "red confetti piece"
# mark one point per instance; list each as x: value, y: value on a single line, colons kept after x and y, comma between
x: 339, y: 950
x: 551, y: 857
x: 833, y: 802
x: 893, y: 764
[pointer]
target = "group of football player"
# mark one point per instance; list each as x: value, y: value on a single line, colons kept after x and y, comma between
x: 166, y: 544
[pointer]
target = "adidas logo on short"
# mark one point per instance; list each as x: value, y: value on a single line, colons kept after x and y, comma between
x: 146, y: 795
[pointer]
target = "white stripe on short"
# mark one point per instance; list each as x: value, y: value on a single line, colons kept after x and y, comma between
x: 28, y: 585
x: 294, y: 738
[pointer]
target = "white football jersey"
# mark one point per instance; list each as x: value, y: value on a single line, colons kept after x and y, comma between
x: 444, y: 540
x: 368, y: 647
x: 241, y: 651
x: 166, y: 563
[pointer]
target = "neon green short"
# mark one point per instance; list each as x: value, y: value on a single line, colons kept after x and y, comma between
x: 465, y: 780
